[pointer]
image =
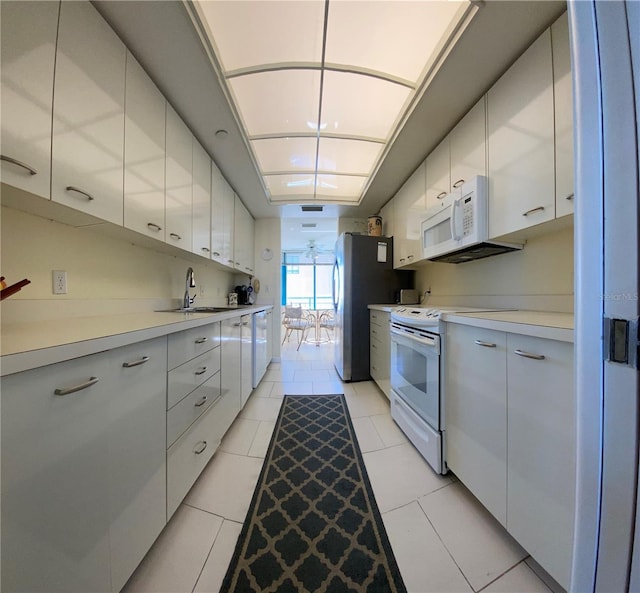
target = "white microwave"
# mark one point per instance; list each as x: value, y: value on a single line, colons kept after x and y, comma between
x: 457, y: 231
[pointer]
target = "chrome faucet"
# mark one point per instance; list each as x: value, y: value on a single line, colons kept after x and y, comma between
x: 190, y: 282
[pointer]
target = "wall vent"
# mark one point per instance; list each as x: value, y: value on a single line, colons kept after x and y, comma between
x: 312, y: 208
x: 309, y: 225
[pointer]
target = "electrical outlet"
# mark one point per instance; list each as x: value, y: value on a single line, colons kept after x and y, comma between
x: 59, y: 282
x: 202, y: 290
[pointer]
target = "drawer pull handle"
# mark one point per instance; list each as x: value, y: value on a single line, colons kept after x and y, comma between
x: 154, y: 227
x: 402, y: 259
x: 175, y: 236
x: 68, y: 390
x: 485, y: 344
x: 570, y: 197
x: 13, y: 161
x: 79, y: 191
x: 538, y: 209
x: 237, y: 263
x: 201, y: 340
x: 216, y: 253
x: 230, y: 261
x: 205, y: 249
x: 374, y: 368
x: 135, y: 363
x: 529, y: 355
x: 441, y: 195
x: 203, y: 446
x: 201, y: 402
x: 409, y: 256
x: 458, y: 183
x: 201, y: 371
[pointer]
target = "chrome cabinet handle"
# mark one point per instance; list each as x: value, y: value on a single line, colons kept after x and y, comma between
x: 237, y: 263
x: 374, y: 368
x: 13, y: 161
x: 201, y: 371
x: 402, y: 259
x: 374, y: 346
x: 201, y: 340
x: 410, y: 256
x: 201, y: 402
x: 175, y: 236
x: 230, y: 261
x: 216, y: 253
x: 202, y: 448
x: 135, y: 363
x: 569, y: 197
x: 458, y: 183
x: 538, y: 209
x: 79, y: 191
x: 485, y: 344
x: 441, y: 195
x: 248, y: 269
x: 154, y: 227
x: 529, y: 355
x: 68, y: 390
x: 205, y: 249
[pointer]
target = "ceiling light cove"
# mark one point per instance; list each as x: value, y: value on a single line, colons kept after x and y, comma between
x: 322, y: 88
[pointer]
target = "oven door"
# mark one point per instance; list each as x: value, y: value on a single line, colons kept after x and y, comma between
x: 415, y: 372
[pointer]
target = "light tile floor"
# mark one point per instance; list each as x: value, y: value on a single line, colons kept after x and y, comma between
x: 443, y: 539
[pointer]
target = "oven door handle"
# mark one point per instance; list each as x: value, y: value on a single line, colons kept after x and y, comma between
x: 409, y: 335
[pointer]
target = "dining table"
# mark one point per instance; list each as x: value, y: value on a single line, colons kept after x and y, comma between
x: 316, y: 316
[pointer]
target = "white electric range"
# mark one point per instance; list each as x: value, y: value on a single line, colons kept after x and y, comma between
x: 417, y: 365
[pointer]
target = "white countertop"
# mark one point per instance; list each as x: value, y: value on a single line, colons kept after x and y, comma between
x: 385, y: 308
x: 25, y: 346
x: 541, y: 324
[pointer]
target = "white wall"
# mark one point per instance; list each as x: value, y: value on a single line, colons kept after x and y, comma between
x: 540, y: 277
x: 104, y: 274
x: 267, y: 236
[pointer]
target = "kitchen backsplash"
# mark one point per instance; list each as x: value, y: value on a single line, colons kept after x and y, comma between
x: 540, y: 277
x: 105, y: 274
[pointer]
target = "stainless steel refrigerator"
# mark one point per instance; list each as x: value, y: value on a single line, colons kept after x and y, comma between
x: 363, y: 275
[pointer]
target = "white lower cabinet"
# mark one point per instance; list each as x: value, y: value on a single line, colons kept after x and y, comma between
x: 510, y: 435
x: 541, y: 451
x: 231, y: 357
x: 380, y: 350
x: 476, y: 413
x: 83, y: 469
x: 246, y: 364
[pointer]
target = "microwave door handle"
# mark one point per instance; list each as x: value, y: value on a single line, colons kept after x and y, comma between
x: 453, y: 221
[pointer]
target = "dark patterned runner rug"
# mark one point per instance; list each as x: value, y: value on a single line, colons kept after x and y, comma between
x: 313, y: 524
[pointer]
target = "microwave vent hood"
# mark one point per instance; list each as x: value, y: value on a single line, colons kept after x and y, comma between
x: 477, y: 251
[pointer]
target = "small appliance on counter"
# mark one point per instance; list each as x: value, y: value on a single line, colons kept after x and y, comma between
x: 408, y: 296
x: 243, y: 294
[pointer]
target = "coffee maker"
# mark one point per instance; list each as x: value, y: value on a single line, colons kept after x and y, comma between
x: 243, y: 295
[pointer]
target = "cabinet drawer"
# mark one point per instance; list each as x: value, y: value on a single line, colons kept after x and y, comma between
x: 379, y: 318
x: 379, y: 333
x: 188, y: 376
x: 187, y: 457
x: 380, y: 362
x: 188, y: 344
x: 190, y: 408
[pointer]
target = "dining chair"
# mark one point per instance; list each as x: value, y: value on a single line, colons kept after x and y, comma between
x: 295, y: 319
x: 328, y: 323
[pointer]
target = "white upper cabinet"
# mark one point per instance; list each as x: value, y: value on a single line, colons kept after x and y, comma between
x: 563, y: 100
x: 243, y: 238
x: 179, y: 182
x: 88, y: 114
x: 438, y: 174
x: 520, y: 125
x: 409, y: 207
x: 222, y: 205
x: 459, y: 157
x: 201, y: 201
x: 143, y: 153
x: 388, y: 225
x: 27, y: 58
x: 468, y: 144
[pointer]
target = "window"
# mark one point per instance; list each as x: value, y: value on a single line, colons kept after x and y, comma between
x: 307, y: 281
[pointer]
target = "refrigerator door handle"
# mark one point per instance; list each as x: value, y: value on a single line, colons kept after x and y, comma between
x: 336, y: 280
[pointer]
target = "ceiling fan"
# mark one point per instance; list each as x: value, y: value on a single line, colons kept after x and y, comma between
x: 313, y: 250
